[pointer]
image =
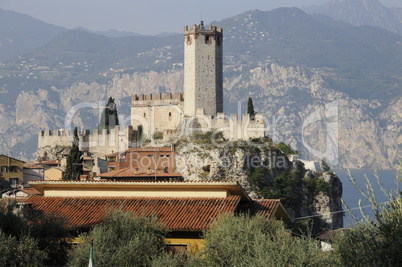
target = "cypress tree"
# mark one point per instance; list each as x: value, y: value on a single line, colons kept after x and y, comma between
x: 74, y: 162
x: 250, y: 108
x: 109, y: 118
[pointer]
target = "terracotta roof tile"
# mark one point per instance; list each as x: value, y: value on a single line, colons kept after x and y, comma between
x: 265, y: 207
x: 180, y: 214
x: 130, y: 173
x: 31, y: 191
x: 149, y: 149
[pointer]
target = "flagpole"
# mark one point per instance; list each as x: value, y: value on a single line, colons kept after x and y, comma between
x: 91, y: 255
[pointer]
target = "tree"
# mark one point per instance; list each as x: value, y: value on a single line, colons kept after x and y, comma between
x: 324, y: 165
x: 377, y: 241
x: 123, y: 239
x: 241, y: 240
x: 20, y: 251
x: 250, y: 108
x: 109, y: 118
x: 17, y: 246
x: 74, y: 166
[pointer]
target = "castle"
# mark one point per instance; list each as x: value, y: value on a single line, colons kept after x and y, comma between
x: 174, y: 115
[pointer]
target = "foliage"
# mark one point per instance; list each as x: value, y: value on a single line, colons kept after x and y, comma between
x: 286, y: 187
x: 287, y: 149
x: 51, y: 232
x: 21, y: 251
x: 324, y: 165
x: 259, y: 180
x: 377, y: 241
x: 207, y: 137
x: 315, y: 186
x: 11, y: 223
x: 109, y: 118
x: 158, y: 135
x: 254, y: 241
x: 140, y: 131
x: 250, y: 108
x: 121, y: 240
x: 74, y: 166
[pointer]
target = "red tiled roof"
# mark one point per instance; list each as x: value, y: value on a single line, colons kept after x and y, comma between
x: 31, y: 191
x: 32, y: 165
x: 52, y: 162
x: 264, y: 207
x: 149, y: 149
x: 20, y: 200
x: 130, y: 173
x: 180, y: 214
x: 330, y: 235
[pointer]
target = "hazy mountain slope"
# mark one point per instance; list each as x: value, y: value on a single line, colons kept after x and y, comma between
x: 20, y: 33
x: 361, y: 12
x: 289, y: 62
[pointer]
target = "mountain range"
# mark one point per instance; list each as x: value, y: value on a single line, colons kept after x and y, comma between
x: 362, y: 12
x: 289, y: 62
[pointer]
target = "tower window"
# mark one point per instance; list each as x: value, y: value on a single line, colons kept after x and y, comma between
x: 170, y: 114
x: 206, y: 39
x: 144, y: 115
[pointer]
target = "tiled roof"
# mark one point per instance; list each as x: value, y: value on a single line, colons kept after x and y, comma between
x: 330, y: 235
x: 150, y: 149
x: 20, y: 200
x: 52, y: 162
x: 32, y: 165
x: 264, y: 207
x: 180, y: 214
x: 31, y: 191
x: 130, y: 173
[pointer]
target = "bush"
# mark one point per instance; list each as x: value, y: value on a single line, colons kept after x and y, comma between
x: 287, y: 149
x: 158, y: 135
x: 121, y: 240
x: 21, y: 251
x: 254, y: 241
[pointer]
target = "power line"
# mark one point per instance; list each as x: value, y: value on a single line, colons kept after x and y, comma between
x: 335, y: 212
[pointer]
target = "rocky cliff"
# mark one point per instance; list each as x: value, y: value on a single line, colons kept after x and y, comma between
x: 265, y: 172
x: 369, y: 131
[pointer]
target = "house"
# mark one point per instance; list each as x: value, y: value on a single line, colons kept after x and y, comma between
x: 186, y: 209
x: 32, y: 171
x: 146, y: 163
x: 56, y: 173
x: 326, y: 239
x: 20, y: 193
x: 11, y: 171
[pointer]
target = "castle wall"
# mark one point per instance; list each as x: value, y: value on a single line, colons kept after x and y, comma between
x: 156, y: 112
x: 99, y: 143
x: 203, y: 72
x: 233, y: 129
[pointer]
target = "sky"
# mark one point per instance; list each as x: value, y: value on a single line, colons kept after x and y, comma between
x: 145, y: 16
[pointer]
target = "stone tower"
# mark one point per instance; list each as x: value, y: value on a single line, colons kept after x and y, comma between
x: 203, y: 73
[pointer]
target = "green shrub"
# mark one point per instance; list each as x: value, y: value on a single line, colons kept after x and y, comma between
x: 254, y: 241
x: 158, y: 135
x: 123, y: 239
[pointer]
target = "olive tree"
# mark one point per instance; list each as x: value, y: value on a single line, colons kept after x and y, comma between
x: 241, y: 240
x: 123, y: 239
x: 374, y: 241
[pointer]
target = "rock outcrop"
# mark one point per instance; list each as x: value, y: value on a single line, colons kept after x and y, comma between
x: 265, y: 172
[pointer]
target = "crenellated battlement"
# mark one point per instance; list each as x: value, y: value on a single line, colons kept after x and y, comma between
x: 156, y: 99
x: 98, y: 143
x: 200, y: 29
